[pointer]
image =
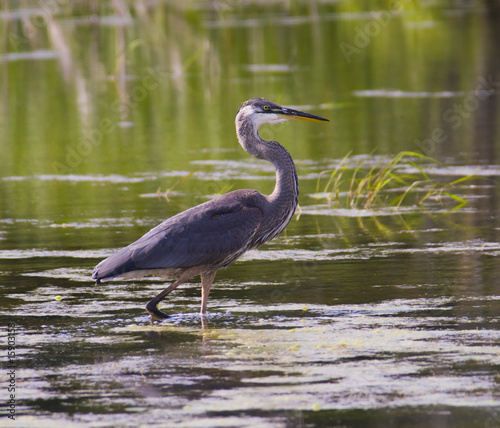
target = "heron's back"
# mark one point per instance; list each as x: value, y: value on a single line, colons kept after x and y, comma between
x: 212, y: 234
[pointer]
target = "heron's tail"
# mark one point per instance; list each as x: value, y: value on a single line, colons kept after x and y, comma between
x: 115, y: 265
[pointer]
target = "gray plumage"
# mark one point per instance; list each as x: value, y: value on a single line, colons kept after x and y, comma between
x: 210, y: 236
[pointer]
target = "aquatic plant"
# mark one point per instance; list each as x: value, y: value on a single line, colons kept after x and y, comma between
x: 390, y: 182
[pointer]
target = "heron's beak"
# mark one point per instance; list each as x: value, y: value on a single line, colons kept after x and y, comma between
x: 288, y: 113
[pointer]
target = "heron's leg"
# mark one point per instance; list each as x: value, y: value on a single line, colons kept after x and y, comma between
x: 152, y: 306
x: 206, y: 283
x: 184, y: 275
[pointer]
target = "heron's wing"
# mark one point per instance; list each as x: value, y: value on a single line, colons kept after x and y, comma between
x: 204, y: 235
x: 206, y: 239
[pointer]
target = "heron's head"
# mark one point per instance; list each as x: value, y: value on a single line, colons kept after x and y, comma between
x: 259, y: 111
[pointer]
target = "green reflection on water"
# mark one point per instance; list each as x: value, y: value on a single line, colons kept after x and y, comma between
x: 146, y: 90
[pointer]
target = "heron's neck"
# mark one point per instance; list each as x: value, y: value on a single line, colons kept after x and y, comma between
x: 287, y: 185
x: 286, y: 190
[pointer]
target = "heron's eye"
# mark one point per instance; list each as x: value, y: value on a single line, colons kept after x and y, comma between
x: 265, y: 108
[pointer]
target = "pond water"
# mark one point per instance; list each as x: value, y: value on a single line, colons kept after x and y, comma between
x: 117, y: 115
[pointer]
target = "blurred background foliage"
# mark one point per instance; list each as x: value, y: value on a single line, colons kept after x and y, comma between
x: 146, y: 87
x: 167, y: 77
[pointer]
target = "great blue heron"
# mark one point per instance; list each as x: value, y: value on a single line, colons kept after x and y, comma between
x: 210, y: 236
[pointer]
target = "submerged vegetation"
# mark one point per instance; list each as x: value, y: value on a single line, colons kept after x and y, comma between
x: 389, y: 182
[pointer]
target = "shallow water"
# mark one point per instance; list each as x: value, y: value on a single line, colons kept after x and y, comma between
x: 115, y: 116
x: 374, y: 317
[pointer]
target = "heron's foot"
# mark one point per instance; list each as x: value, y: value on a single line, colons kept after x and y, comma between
x: 156, y: 314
